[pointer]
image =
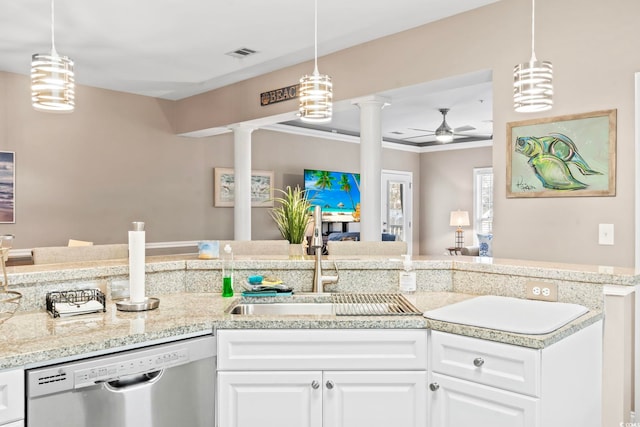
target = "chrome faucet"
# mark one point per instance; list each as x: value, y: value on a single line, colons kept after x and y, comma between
x: 319, y: 280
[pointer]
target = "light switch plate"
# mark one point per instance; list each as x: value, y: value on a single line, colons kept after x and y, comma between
x: 605, y: 234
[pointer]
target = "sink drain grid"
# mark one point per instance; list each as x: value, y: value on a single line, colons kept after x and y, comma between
x: 372, y: 305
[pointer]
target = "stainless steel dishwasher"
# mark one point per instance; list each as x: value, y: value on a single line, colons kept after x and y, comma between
x: 167, y: 385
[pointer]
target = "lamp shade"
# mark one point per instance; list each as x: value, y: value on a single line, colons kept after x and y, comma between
x: 459, y: 219
x: 316, y: 96
x: 533, y: 86
x: 52, y: 83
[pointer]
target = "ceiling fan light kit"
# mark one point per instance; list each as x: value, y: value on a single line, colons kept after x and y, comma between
x: 316, y: 90
x: 533, y: 80
x: 52, y: 79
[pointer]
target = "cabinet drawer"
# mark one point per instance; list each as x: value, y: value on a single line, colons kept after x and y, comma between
x: 11, y: 395
x: 303, y: 349
x: 455, y: 402
x: 505, y: 366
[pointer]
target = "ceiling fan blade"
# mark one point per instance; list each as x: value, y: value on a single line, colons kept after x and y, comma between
x: 471, y: 138
x: 417, y: 136
x: 422, y: 130
x: 464, y: 128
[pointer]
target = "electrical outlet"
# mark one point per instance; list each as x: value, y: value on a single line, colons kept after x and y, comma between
x: 542, y: 291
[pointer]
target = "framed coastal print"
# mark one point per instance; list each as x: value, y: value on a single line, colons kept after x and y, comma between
x: 224, y: 188
x: 564, y: 156
x: 7, y: 187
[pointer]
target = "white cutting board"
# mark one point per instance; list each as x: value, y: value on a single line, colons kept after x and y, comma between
x: 507, y: 314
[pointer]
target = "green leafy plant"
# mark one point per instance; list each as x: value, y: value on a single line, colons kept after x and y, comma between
x: 292, y: 214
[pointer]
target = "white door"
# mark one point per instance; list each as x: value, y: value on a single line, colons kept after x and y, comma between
x: 375, y: 399
x: 397, y: 198
x: 460, y: 403
x: 270, y: 399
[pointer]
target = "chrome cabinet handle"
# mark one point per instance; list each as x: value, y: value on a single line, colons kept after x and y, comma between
x: 478, y: 361
x: 330, y: 384
x: 315, y: 385
x: 434, y: 386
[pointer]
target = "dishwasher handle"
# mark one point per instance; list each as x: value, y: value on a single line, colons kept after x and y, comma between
x: 131, y: 381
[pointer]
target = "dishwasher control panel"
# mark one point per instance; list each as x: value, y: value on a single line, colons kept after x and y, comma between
x: 140, y: 365
x: 117, y: 366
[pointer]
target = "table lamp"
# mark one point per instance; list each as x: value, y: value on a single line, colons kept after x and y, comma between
x: 459, y: 219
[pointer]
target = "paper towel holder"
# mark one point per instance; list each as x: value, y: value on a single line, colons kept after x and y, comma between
x: 149, y: 303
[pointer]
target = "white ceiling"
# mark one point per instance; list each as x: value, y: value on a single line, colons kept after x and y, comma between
x: 173, y: 49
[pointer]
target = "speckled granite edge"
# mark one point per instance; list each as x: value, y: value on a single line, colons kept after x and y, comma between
x: 85, y: 350
x: 531, y: 341
x: 570, y: 272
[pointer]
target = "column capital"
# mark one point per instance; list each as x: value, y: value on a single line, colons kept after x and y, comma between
x: 382, y: 101
x: 241, y: 127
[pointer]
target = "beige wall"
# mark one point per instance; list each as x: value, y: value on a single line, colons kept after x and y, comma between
x: 87, y: 175
x: 446, y: 182
x: 588, y: 43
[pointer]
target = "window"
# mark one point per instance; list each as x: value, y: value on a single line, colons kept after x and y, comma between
x: 482, y: 201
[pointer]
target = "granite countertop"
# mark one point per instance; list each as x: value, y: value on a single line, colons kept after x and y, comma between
x: 35, y: 338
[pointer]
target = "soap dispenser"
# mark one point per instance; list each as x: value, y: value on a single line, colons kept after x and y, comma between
x: 407, y: 276
x: 227, y: 272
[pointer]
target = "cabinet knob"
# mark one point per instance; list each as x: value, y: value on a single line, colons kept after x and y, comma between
x: 330, y: 384
x: 434, y: 386
x: 315, y: 384
x: 478, y: 361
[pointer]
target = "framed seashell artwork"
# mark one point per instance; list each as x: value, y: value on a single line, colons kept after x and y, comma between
x: 563, y: 156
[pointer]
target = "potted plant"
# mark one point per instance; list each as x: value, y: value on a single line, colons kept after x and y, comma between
x: 292, y: 215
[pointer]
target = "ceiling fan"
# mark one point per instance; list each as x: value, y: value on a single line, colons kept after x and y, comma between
x: 445, y: 134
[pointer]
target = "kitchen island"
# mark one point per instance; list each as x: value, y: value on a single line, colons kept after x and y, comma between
x: 191, y: 305
x: 190, y: 301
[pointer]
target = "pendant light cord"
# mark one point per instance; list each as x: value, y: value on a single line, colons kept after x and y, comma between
x: 315, y: 40
x: 53, y: 40
x: 533, y: 31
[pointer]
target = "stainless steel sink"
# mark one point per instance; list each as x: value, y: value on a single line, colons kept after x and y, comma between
x: 281, y: 309
x: 336, y: 304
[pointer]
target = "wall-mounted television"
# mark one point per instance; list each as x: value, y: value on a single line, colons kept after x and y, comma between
x: 338, y: 193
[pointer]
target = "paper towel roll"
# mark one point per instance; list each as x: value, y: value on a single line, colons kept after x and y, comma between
x: 136, y: 266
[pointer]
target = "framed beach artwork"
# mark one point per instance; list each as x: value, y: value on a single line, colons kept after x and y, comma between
x: 224, y: 188
x: 7, y: 187
x: 564, y: 156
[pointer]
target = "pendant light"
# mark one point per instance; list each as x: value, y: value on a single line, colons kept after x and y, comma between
x: 533, y: 80
x: 316, y: 90
x: 52, y: 79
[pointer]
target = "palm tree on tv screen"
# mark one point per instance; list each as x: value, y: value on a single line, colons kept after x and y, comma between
x: 346, y: 187
x: 323, y: 180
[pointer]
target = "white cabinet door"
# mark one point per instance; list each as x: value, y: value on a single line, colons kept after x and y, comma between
x: 11, y: 395
x: 460, y: 403
x: 375, y: 399
x: 270, y: 399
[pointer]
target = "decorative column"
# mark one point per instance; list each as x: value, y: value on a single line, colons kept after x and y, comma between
x: 242, y: 182
x: 370, y: 166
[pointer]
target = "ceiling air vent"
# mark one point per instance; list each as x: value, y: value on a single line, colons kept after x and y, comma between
x: 242, y: 52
